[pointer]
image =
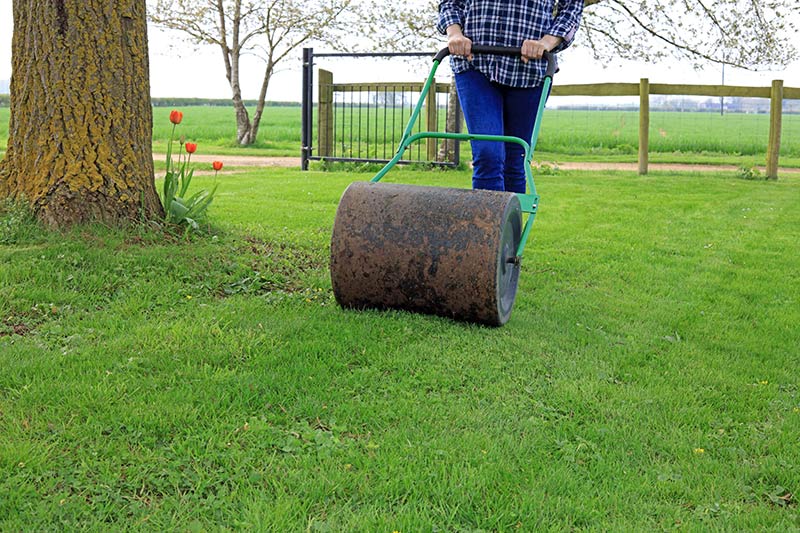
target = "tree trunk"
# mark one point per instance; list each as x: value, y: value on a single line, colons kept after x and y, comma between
x: 79, y: 146
x: 262, y: 98
x: 243, y: 128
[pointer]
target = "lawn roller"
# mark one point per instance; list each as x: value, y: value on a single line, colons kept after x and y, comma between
x: 450, y: 252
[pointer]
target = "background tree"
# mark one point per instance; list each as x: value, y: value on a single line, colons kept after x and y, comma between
x: 750, y: 34
x: 80, y: 133
x: 269, y: 29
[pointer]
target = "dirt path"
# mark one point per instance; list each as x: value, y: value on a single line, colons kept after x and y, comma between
x: 241, y: 160
x: 668, y: 167
x: 289, y: 162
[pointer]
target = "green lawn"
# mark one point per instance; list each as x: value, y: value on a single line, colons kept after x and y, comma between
x: 647, y: 379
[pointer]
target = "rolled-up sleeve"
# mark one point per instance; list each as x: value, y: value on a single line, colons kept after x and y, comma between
x: 566, y: 23
x: 450, y: 12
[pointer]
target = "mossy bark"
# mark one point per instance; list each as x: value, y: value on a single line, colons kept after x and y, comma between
x: 79, y: 146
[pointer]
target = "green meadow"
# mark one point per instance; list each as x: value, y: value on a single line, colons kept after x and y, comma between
x: 611, y: 135
x: 647, y: 379
x: 598, y: 135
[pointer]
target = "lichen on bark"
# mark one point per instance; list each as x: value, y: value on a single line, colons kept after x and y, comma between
x: 80, y: 132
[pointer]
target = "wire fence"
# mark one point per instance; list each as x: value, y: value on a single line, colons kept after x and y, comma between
x: 364, y: 122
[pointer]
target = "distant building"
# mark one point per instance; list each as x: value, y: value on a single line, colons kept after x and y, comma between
x: 749, y: 105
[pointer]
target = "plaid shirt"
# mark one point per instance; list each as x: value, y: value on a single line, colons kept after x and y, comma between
x: 508, y: 23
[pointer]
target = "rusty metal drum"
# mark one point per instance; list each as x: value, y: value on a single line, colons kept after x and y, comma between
x: 443, y: 251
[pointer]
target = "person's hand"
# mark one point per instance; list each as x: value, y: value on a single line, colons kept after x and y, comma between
x: 457, y: 43
x: 535, y: 49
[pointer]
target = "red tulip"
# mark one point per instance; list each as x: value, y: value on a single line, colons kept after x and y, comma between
x: 191, y: 147
x: 217, y: 165
x: 175, y: 116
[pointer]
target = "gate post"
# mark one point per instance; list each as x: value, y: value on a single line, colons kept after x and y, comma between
x: 432, y: 121
x: 307, y: 108
x: 459, y: 121
x: 325, y: 113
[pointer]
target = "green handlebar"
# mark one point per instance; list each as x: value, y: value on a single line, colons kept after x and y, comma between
x: 529, y: 201
x: 503, y: 51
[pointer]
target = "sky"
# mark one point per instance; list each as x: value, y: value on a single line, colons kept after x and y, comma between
x: 181, y: 70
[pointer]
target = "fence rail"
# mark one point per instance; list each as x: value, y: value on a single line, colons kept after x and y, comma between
x: 632, y: 89
x: 776, y: 93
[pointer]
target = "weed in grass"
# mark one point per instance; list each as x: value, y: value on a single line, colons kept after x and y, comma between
x: 272, y: 266
x: 780, y: 497
x: 327, y: 165
x: 10, y: 326
x: 545, y: 169
x: 749, y: 173
x: 17, y: 222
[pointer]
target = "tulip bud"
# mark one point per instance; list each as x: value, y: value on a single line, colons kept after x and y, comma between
x: 191, y: 147
x: 175, y: 116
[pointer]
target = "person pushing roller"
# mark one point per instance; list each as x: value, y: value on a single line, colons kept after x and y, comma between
x: 456, y: 252
x: 499, y: 94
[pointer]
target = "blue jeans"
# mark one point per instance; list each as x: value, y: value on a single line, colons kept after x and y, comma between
x: 494, y: 109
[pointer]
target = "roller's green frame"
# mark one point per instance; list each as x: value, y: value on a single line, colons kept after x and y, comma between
x: 529, y: 201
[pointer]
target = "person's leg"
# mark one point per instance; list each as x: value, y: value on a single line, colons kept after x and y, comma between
x: 483, y: 111
x: 519, y: 113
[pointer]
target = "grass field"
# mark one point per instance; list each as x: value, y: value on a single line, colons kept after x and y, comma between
x: 566, y: 135
x: 647, y: 379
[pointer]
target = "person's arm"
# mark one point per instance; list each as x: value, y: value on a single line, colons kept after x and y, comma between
x: 561, y: 33
x: 450, y: 12
x: 451, y: 23
x: 457, y: 43
x: 534, y: 49
x: 566, y: 23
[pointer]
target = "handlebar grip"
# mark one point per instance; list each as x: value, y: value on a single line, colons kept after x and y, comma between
x: 503, y: 51
x: 441, y: 54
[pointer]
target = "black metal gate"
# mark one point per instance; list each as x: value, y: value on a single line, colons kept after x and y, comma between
x: 363, y: 122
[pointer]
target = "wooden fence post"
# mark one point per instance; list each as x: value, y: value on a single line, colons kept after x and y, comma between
x: 774, y: 146
x: 325, y: 113
x: 644, y: 124
x: 432, y: 121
